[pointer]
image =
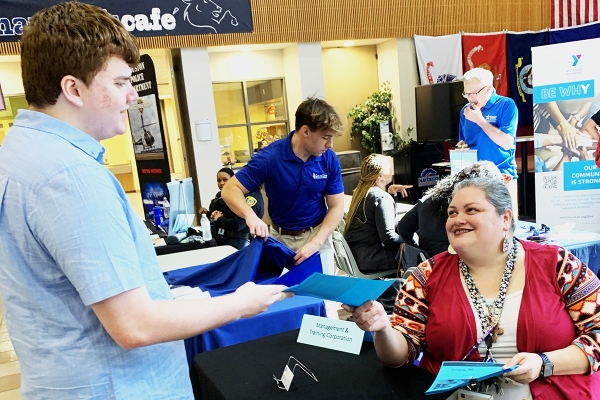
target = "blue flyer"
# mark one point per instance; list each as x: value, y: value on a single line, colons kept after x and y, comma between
x: 456, y: 374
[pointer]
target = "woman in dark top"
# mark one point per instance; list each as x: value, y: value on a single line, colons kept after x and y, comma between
x: 371, y: 220
x: 227, y: 227
x: 428, y: 217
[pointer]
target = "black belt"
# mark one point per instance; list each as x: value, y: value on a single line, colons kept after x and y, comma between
x: 291, y: 232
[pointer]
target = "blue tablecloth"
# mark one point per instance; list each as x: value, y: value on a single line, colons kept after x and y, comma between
x: 262, y: 263
x: 582, y: 244
x: 280, y: 317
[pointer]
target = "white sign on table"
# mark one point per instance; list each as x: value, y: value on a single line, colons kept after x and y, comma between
x: 331, y: 334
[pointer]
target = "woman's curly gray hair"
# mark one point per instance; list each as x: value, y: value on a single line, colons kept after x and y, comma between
x: 441, y: 194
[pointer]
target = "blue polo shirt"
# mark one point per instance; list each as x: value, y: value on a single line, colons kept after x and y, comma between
x: 296, y: 189
x: 501, y: 112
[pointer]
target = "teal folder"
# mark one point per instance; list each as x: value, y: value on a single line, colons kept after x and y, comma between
x: 347, y: 290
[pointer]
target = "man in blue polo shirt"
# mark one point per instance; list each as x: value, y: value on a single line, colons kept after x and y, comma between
x: 303, y: 182
x: 488, y: 124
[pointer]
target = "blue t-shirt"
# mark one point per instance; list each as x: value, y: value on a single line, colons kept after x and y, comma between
x: 296, y: 189
x: 502, y: 113
x: 69, y: 238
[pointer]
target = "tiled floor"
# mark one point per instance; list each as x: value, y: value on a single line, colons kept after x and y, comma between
x: 10, y: 371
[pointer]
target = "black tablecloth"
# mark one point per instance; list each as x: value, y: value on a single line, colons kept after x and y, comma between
x: 176, y: 248
x: 245, y: 371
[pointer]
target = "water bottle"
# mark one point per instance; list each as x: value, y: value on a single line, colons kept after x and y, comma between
x: 166, y: 207
x: 158, y: 216
x: 205, y: 224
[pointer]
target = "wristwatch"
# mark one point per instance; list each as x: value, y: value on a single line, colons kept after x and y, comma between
x: 547, y: 366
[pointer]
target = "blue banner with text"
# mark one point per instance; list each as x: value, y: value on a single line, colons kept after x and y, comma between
x: 581, y: 175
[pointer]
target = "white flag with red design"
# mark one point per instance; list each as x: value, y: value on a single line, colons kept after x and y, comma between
x: 574, y: 12
x: 439, y: 58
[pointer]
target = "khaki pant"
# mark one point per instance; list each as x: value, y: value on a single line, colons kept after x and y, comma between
x: 296, y: 242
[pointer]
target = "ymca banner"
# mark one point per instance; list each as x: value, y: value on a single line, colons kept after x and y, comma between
x: 487, y: 51
x: 520, y: 73
x: 584, y: 32
x: 144, y: 18
x: 565, y: 95
x: 573, y: 12
x: 439, y: 58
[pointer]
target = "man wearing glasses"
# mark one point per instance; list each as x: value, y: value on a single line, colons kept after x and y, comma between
x: 488, y: 124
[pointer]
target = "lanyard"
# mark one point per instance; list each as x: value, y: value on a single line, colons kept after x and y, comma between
x: 485, y: 335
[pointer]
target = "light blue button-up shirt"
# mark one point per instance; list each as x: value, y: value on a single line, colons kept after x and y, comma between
x: 68, y: 239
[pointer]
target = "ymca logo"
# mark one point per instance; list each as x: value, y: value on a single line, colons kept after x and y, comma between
x: 319, y: 176
x: 575, y: 59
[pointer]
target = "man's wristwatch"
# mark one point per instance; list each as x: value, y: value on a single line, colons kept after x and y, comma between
x: 547, y: 366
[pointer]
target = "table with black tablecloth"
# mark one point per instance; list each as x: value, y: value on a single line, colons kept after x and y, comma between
x: 245, y: 371
x: 280, y: 317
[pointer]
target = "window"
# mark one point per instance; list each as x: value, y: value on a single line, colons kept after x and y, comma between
x: 250, y: 115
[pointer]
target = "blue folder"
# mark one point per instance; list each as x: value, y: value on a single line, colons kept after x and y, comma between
x: 347, y: 290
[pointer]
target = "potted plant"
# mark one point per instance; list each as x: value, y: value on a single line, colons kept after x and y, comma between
x: 366, y: 120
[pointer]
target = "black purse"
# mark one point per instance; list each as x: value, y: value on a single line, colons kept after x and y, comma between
x: 388, y: 298
x: 408, y: 257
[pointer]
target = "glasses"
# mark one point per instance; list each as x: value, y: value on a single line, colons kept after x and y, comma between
x: 467, y: 95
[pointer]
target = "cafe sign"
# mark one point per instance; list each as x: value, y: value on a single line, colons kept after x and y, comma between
x: 145, y: 18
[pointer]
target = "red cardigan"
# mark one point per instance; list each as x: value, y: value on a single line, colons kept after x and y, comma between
x: 544, y: 324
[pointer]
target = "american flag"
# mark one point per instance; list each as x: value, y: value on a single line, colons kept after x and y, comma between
x: 574, y: 12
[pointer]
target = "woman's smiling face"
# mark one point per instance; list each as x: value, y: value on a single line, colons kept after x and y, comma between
x: 473, y: 223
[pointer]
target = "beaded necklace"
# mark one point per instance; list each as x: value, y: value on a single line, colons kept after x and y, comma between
x: 492, y: 317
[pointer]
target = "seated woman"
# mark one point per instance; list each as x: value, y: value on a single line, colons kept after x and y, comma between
x: 371, y: 220
x: 540, y: 302
x: 228, y: 227
x: 428, y: 217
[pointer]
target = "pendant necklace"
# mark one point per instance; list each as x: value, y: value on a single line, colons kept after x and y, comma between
x: 494, y: 311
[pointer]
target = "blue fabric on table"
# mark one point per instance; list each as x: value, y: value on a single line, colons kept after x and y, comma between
x: 260, y: 262
x: 282, y: 316
x: 587, y: 250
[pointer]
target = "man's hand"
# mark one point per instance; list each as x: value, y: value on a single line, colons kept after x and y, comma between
x: 306, y: 251
x: 530, y: 365
x: 461, y: 145
x: 216, y: 215
x: 473, y: 114
x: 394, y: 189
x: 259, y: 297
x: 370, y: 317
x: 257, y: 226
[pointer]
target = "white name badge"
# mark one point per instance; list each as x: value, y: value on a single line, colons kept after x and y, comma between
x: 331, y: 334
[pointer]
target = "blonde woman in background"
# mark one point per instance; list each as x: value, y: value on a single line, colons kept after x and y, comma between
x: 371, y: 220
